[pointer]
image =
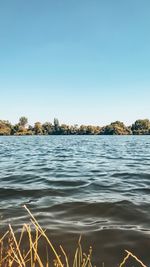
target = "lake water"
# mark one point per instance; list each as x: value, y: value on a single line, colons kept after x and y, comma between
x: 97, y: 186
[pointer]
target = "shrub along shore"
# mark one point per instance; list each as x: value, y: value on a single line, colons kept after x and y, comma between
x: 139, y: 127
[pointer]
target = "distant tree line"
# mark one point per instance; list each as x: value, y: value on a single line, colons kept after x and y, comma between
x: 139, y: 127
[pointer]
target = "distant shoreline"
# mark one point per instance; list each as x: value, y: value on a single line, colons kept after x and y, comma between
x: 139, y: 127
x: 47, y: 135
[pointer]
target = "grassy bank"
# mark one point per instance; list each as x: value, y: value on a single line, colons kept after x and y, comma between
x: 24, y: 251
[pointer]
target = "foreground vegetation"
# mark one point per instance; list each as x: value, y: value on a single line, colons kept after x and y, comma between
x: 24, y: 251
x: 139, y: 127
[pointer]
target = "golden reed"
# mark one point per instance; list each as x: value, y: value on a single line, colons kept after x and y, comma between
x: 13, y: 252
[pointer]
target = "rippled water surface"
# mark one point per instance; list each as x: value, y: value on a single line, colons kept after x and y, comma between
x: 97, y: 186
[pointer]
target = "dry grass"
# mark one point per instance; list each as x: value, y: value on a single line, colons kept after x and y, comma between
x: 14, y: 254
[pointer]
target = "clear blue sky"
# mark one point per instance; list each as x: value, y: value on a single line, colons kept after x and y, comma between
x: 82, y: 61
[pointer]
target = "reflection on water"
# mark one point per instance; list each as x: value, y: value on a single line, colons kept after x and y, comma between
x: 95, y: 185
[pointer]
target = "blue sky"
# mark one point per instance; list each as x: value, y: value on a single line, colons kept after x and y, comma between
x: 82, y: 61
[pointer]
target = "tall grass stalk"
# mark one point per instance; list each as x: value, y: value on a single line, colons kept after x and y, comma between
x: 23, y: 251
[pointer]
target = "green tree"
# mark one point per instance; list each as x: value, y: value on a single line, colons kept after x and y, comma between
x: 23, y: 121
x: 64, y: 129
x: 141, y: 127
x: 38, y: 129
x: 116, y: 128
x: 83, y: 129
x: 47, y: 128
x: 93, y: 130
x: 5, y: 127
x: 56, y: 126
